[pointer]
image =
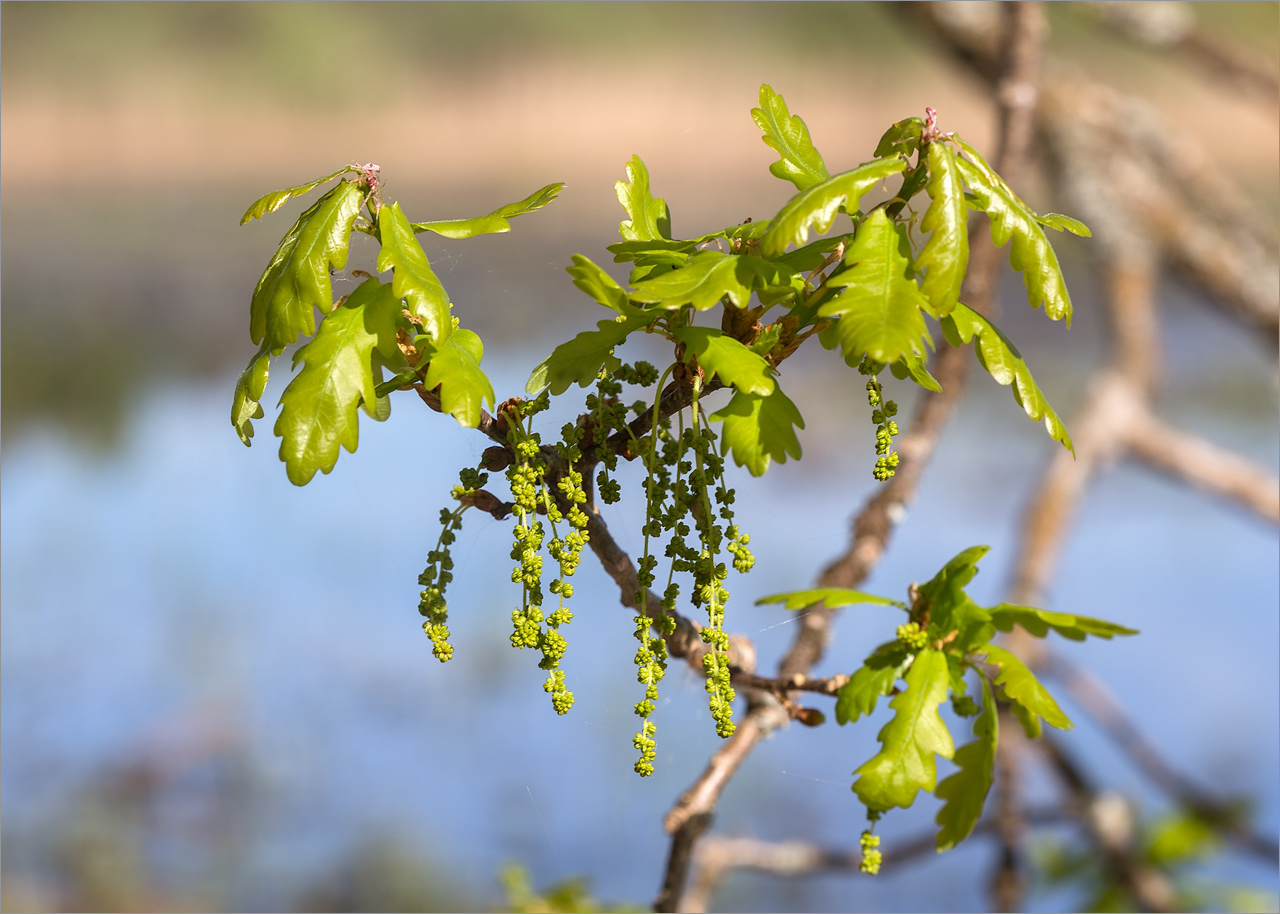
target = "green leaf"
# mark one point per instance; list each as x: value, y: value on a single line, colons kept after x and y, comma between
x: 913, y: 366
x: 760, y: 429
x: 705, y: 279
x: 816, y: 207
x: 249, y: 388
x: 833, y: 597
x: 1001, y: 359
x: 602, y: 287
x: 724, y: 356
x: 650, y: 218
x: 581, y: 359
x: 902, y: 139
x: 946, y: 254
x: 787, y: 134
x: 296, y: 281
x: 276, y: 199
x: 665, y: 249
x: 1038, y: 622
x: 318, y: 410
x: 1030, y: 254
x: 971, y: 623
x: 808, y: 258
x: 885, y: 666
x: 413, y: 279
x: 965, y: 792
x: 1021, y: 686
x: 1064, y: 223
x: 455, y: 367
x: 879, y: 307
x: 496, y: 221
x: 916, y: 734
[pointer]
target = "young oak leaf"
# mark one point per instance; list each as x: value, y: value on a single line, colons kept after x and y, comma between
x: 650, y: 219
x: 455, y: 368
x: 602, y: 287
x: 883, y: 667
x: 965, y: 791
x: 707, y: 277
x: 879, y: 307
x: 731, y: 360
x: 760, y: 429
x: 318, y: 410
x: 269, y: 203
x: 413, y: 279
x: 581, y: 358
x: 495, y: 222
x: 788, y: 135
x: 1038, y: 622
x: 815, y: 207
x: 1030, y: 254
x: 945, y: 256
x: 905, y: 764
x: 296, y: 281
x: 1001, y: 359
x: 902, y: 139
x: 831, y: 597
x: 1062, y: 223
x: 945, y: 590
x: 250, y: 386
x: 1032, y: 701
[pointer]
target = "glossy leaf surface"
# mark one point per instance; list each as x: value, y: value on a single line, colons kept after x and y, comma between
x: 816, y: 207
x: 1022, y: 687
x: 1064, y: 224
x: 945, y: 256
x: 885, y: 666
x: 413, y: 279
x: 602, y: 287
x: 650, y: 218
x: 580, y: 359
x: 903, y: 138
x: 245, y: 405
x: 905, y: 764
x: 455, y: 367
x: 1001, y: 359
x: 760, y: 429
x: 965, y: 792
x: 879, y: 307
x: 496, y: 221
x: 724, y: 356
x: 788, y: 135
x: 704, y: 279
x: 296, y: 281
x: 1038, y: 622
x: 831, y: 597
x: 271, y: 202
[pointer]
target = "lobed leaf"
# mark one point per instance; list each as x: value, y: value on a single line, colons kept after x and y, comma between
x: 581, y: 359
x: 271, y: 202
x: 455, y: 368
x: 760, y: 429
x: 902, y: 139
x: 296, y: 281
x: 905, y: 763
x: 413, y: 279
x: 705, y: 279
x: 832, y: 597
x: 788, y: 135
x: 496, y: 221
x: 1032, y: 700
x: 913, y: 366
x: 250, y: 386
x: 1064, y: 223
x: 1038, y: 622
x: 1001, y: 359
x: 945, y: 590
x: 816, y: 207
x: 882, y: 668
x: 879, y: 307
x: 650, y: 218
x: 731, y: 360
x: 965, y: 791
x: 945, y: 256
x: 318, y: 410
x: 602, y: 287
x: 1030, y: 254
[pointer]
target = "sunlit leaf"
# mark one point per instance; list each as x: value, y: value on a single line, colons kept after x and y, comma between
x: 905, y: 763
x: 580, y: 359
x: 1030, y: 254
x: 602, y: 287
x: 706, y: 278
x: 245, y: 404
x: 650, y: 218
x: 496, y: 221
x: 1064, y: 224
x: 913, y: 366
x: 789, y: 136
x: 879, y: 307
x: 902, y: 139
x: 455, y: 367
x: 831, y: 597
x: 885, y: 666
x: 318, y: 410
x: 816, y: 207
x: 1001, y: 359
x: 946, y: 588
x: 1038, y: 622
x: 760, y: 429
x: 731, y: 360
x: 413, y: 279
x: 965, y: 792
x: 274, y: 200
x: 946, y: 254
x: 1022, y: 687
x: 296, y: 281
